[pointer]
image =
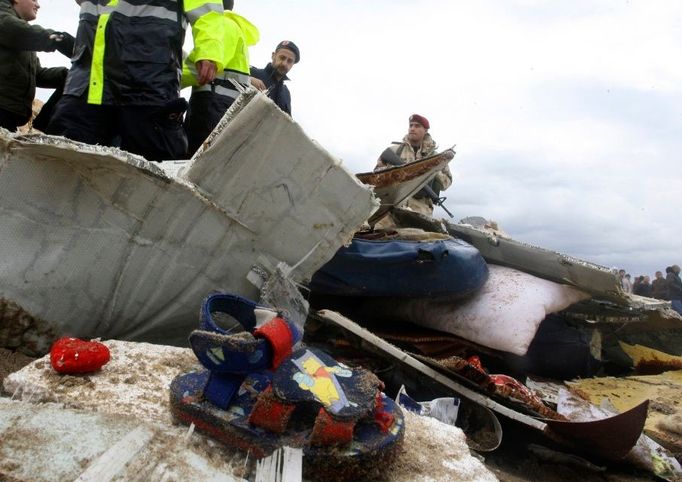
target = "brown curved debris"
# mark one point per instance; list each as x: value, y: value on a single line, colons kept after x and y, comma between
x: 396, y: 174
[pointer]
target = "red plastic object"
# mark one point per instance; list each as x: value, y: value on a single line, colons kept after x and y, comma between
x: 328, y: 431
x: 277, y: 332
x: 475, y: 361
x: 270, y: 413
x: 382, y: 417
x: 73, y: 355
x: 514, y: 384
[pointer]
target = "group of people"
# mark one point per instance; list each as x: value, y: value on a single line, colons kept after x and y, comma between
x: 662, y: 288
x: 123, y: 87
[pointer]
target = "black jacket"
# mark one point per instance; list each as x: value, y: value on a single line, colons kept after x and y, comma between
x: 141, y: 56
x: 277, y: 91
x: 659, y: 289
x: 20, y: 70
x: 674, y: 286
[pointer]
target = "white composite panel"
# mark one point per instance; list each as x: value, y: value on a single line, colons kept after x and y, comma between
x: 95, y: 242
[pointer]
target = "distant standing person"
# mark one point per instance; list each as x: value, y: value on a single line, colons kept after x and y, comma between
x: 659, y: 289
x: 675, y: 288
x: 645, y: 288
x: 635, y: 285
x: 271, y: 78
x: 20, y: 69
x: 124, y: 84
x: 209, y: 102
x: 416, y: 145
x: 627, y: 284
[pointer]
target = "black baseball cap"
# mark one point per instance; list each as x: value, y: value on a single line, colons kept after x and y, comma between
x: 289, y: 45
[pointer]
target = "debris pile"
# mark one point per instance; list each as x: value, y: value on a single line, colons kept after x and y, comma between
x: 360, y: 301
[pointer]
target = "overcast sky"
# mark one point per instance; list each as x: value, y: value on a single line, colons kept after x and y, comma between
x: 567, y: 116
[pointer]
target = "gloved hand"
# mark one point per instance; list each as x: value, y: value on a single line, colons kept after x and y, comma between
x: 64, y: 42
x: 170, y: 115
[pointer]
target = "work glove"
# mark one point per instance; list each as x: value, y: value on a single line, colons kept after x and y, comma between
x: 64, y: 43
x: 170, y: 115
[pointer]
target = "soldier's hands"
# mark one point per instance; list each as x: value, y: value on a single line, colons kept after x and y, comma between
x: 258, y: 84
x: 206, y: 70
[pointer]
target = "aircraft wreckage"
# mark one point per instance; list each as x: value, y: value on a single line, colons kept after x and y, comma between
x: 99, y: 243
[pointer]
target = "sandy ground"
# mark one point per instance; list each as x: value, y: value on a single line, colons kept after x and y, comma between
x: 11, y: 361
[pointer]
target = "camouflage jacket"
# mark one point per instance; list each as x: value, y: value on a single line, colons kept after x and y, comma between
x: 404, y: 150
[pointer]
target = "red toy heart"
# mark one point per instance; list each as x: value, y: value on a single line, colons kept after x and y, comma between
x: 73, y: 355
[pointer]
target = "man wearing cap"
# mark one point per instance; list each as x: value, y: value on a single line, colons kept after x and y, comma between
x: 272, y: 77
x: 416, y: 145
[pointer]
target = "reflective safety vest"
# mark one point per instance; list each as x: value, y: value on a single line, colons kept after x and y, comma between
x: 129, y: 52
x: 240, y: 34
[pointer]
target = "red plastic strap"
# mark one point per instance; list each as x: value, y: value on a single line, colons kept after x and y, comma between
x: 328, y: 431
x: 382, y: 418
x: 475, y: 361
x: 513, y: 383
x: 278, y: 333
x: 270, y: 413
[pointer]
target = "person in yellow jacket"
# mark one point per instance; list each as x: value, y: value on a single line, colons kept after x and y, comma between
x: 123, y: 87
x: 209, y: 102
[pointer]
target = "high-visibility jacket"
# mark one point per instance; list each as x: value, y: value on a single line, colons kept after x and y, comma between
x: 129, y: 52
x: 240, y: 34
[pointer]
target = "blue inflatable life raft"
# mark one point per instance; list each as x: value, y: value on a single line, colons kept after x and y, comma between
x: 447, y: 267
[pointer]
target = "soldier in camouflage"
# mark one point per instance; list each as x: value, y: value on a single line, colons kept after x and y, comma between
x: 416, y: 145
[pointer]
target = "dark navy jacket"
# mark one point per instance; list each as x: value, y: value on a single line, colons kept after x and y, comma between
x: 277, y: 91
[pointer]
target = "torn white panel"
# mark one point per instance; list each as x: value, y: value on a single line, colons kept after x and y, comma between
x: 96, y: 242
x: 262, y: 168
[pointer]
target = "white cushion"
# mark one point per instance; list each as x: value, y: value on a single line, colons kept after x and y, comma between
x: 504, y: 314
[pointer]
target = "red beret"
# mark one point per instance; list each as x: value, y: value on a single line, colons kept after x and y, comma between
x: 420, y: 119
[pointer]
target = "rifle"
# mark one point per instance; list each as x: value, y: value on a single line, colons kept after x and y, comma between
x: 391, y: 158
